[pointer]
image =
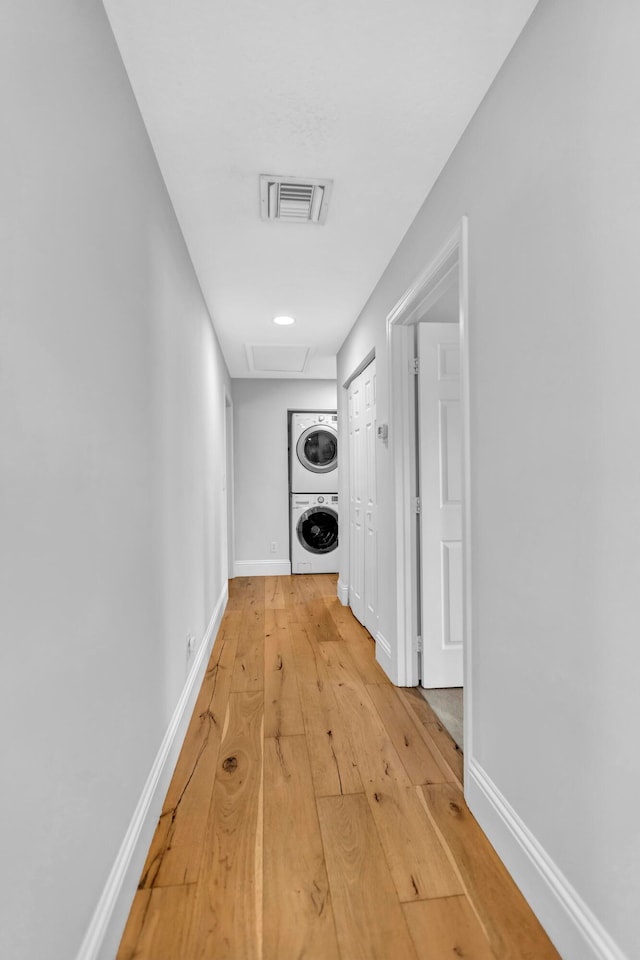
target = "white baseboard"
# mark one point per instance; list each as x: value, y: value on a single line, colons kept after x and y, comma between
x: 262, y: 568
x: 110, y: 916
x: 576, y: 933
x: 343, y: 593
x: 383, y: 655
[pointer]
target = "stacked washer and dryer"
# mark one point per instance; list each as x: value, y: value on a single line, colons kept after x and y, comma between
x: 313, y: 477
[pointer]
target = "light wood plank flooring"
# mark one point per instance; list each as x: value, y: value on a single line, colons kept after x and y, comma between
x: 316, y: 811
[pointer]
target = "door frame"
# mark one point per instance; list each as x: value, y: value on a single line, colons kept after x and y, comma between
x: 425, y: 291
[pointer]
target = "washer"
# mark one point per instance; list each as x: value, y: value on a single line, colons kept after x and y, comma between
x: 314, y: 533
x: 314, y: 452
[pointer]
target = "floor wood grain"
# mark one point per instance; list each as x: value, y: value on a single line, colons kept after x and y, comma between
x: 316, y: 811
x: 282, y: 711
x: 420, y: 761
x: 418, y: 862
x: 447, y: 752
x: 248, y: 672
x: 227, y: 916
x: 512, y: 929
x: 297, y: 903
x: 447, y: 928
x: 369, y: 918
x: 148, y: 934
x: 176, y: 849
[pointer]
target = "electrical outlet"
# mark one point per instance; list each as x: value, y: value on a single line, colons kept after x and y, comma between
x: 274, y: 546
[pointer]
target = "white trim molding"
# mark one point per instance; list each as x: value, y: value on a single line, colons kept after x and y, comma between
x: 110, y: 915
x: 384, y: 653
x: 575, y: 931
x: 359, y: 368
x: 343, y: 593
x: 262, y: 568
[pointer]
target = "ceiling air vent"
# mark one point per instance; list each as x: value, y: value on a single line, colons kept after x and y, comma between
x: 294, y: 199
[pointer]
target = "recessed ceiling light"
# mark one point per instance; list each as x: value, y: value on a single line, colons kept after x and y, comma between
x: 284, y: 321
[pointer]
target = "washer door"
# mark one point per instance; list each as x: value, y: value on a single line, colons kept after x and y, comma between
x: 317, y: 449
x: 318, y: 530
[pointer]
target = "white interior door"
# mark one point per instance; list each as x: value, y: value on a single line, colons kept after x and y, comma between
x: 363, y: 572
x: 356, y: 512
x: 440, y: 486
x: 368, y: 377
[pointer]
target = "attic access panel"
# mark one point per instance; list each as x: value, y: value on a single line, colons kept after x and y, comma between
x: 277, y: 358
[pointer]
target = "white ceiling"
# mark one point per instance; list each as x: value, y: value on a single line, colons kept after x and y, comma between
x: 371, y: 93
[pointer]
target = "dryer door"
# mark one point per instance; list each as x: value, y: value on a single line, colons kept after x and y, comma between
x: 317, y: 530
x: 317, y: 449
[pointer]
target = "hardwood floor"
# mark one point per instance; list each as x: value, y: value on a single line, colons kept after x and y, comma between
x: 316, y: 811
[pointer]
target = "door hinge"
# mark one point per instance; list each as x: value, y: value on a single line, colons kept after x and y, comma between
x: 419, y: 644
x: 414, y: 365
x: 417, y: 503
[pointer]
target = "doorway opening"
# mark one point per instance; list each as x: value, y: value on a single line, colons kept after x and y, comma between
x: 429, y: 433
x: 439, y: 485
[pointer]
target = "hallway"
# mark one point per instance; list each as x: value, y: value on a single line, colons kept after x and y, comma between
x: 316, y: 811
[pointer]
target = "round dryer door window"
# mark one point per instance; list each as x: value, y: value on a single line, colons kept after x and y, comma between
x: 318, y: 530
x: 317, y: 449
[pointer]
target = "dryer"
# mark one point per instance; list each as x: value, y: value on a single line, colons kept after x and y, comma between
x: 314, y: 533
x: 314, y: 453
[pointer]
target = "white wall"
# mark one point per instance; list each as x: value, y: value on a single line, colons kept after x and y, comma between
x: 261, y: 466
x: 547, y: 173
x: 111, y: 417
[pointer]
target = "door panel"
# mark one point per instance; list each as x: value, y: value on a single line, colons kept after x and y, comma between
x: 451, y: 569
x: 440, y: 486
x: 450, y: 453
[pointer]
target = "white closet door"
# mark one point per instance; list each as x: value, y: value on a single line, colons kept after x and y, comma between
x: 440, y: 446
x: 356, y: 519
x: 363, y: 571
x: 368, y: 376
